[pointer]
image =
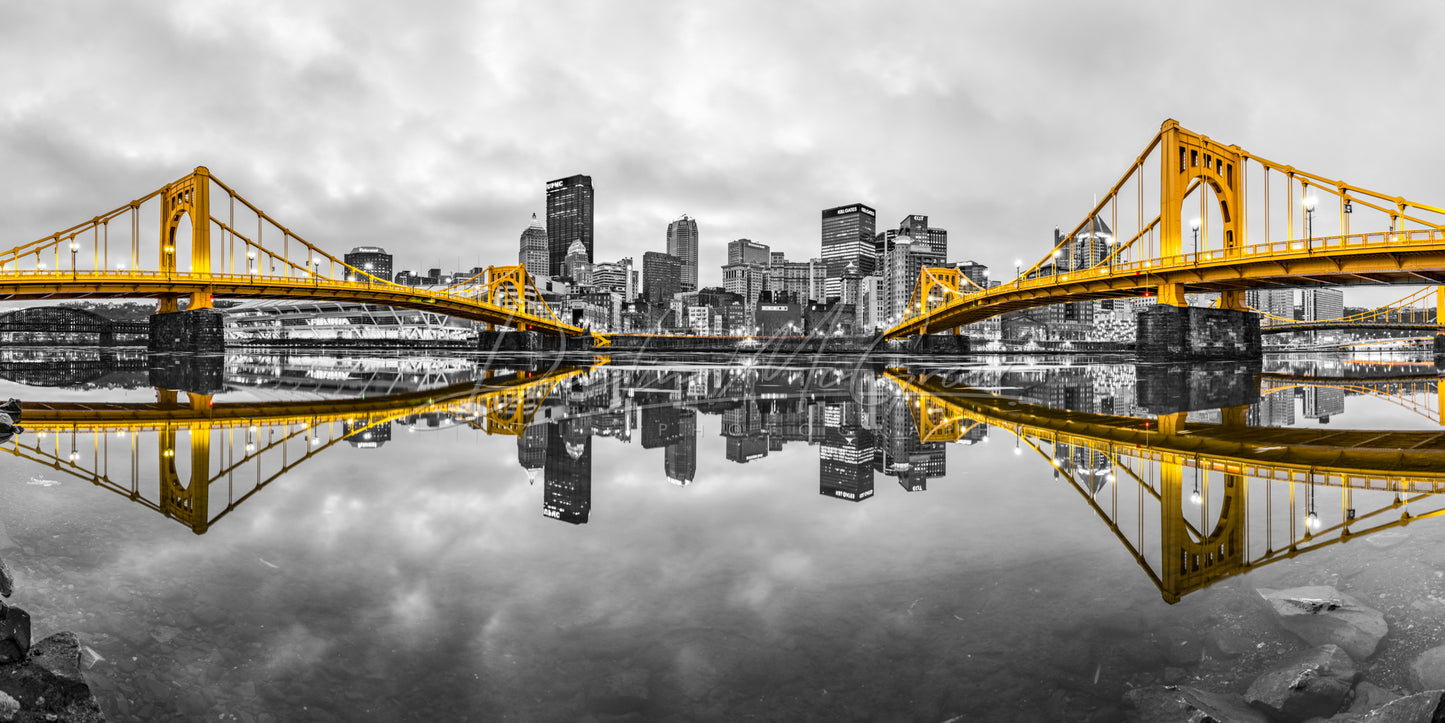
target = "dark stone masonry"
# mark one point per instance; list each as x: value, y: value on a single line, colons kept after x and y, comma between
x: 199, y: 331
x: 1179, y: 333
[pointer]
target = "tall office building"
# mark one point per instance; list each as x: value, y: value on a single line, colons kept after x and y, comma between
x: 1322, y: 304
x: 569, y: 218
x: 847, y: 238
x: 373, y: 260
x: 916, y: 226
x: 682, y: 243
x: 747, y: 251
x: 905, y: 261
x: 534, y: 254
x: 661, y: 276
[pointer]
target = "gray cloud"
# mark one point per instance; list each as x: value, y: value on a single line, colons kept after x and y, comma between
x: 431, y: 130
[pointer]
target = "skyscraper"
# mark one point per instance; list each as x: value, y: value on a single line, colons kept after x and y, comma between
x: 748, y: 251
x: 569, y: 217
x: 534, y: 254
x: 682, y: 243
x: 373, y: 260
x: 661, y: 276
x: 847, y: 237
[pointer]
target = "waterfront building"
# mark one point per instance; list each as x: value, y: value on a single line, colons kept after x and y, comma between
x: 905, y: 262
x: 373, y: 260
x: 569, y: 218
x: 533, y: 253
x: 847, y: 237
x: 682, y: 243
x: 258, y: 319
x: 1272, y: 303
x: 1322, y: 304
x: 661, y: 276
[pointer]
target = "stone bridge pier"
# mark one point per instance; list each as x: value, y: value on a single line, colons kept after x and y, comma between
x: 1170, y: 333
x: 196, y: 331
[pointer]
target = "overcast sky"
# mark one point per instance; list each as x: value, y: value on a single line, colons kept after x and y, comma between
x: 431, y: 128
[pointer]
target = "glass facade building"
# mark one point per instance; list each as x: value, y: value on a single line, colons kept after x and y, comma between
x: 848, y: 233
x: 682, y: 243
x: 569, y: 217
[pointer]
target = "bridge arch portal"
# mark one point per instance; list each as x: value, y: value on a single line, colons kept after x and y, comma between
x: 187, y: 199
x: 1187, y: 157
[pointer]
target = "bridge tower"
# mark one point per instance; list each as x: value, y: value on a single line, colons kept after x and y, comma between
x: 1171, y: 330
x: 200, y: 327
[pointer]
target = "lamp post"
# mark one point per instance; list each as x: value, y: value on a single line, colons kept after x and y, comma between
x: 1312, y: 520
x: 1195, y: 226
x: 1309, y: 203
x: 170, y: 258
x: 74, y: 248
x: 315, y: 271
x: 250, y: 258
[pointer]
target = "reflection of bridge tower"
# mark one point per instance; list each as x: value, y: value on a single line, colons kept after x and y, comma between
x: 568, y: 471
x: 189, y: 503
x: 1192, y: 560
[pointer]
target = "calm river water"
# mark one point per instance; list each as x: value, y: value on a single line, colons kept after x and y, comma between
x: 453, y: 538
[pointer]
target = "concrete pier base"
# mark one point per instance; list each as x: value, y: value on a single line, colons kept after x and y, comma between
x: 938, y: 344
x: 199, y: 331
x: 530, y: 341
x: 1169, y: 333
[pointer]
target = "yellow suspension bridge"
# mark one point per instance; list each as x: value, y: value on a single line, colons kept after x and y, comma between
x: 1393, y: 240
x: 206, y: 241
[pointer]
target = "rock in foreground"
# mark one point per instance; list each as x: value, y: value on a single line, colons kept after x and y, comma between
x: 1322, y: 615
x: 1427, y: 707
x: 51, y: 673
x: 1428, y: 670
x: 1312, y: 685
x: 1169, y: 703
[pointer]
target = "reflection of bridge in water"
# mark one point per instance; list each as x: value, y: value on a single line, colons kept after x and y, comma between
x: 205, y: 451
x: 1263, y: 493
x: 1259, y: 494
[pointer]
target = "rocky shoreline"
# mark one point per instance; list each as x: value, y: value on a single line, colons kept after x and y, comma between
x: 44, y: 681
x: 1321, y: 684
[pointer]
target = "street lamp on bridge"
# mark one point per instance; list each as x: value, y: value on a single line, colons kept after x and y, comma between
x: 74, y: 248
x: 250, y: 257
x: 1195, y: 225
x: 1309, y: 203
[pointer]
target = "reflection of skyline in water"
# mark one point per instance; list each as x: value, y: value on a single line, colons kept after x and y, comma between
x: 196, y: 458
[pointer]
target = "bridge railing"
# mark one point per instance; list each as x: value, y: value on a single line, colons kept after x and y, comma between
x: 1294, y: 248
x: 471, y: 297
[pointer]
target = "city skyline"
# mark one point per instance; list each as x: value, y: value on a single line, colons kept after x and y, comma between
x: 347, y: 146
